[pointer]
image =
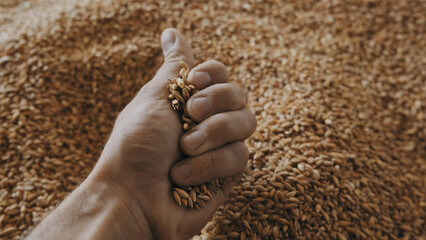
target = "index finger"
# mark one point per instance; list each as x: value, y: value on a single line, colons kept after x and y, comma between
x: 207, y: 74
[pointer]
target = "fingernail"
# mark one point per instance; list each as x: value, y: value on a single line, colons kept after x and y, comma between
x: 201, y: 106
x: 183, y: 170
x: 168, y: 40
x: 201, y: 79
x: 194, y: 140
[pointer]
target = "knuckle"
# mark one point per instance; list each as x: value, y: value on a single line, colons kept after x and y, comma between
x: 245, y: 98
x: 217, y: 127
x: 245, y: 152
x: 242, y: 155
x: 171, y: 57
x: 217, y: 98
x: 230, y: 96
x: 209, y: 161
x: 183, y: 145
x: 175, y: 56
x: 237, y: 177
x: 223, y: 125
x: 221, y: 66
x: 241, y: 95
x: 252, y: 121
x: 216, y: 62
x: 224, y: 97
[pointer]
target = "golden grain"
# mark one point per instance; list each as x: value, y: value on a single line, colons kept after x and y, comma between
x: 177, y: 198
x: 337, y: 89
x: 182, y: 193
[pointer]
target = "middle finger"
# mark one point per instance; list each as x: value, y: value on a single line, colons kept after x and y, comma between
x: 218, y: 130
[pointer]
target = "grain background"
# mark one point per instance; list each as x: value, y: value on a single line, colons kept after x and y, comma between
x: 338, y: 89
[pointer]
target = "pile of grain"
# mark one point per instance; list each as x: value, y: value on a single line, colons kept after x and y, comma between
x: 338, y: 89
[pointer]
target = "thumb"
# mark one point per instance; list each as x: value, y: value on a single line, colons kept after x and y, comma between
x: 175, y: 48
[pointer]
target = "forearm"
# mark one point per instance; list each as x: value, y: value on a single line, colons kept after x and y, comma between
x: 93, y: 211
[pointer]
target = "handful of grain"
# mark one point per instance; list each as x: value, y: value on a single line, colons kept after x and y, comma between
x: 180, y: 92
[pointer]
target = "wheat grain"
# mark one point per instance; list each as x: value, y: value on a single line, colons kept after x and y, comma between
x: 337, y: 88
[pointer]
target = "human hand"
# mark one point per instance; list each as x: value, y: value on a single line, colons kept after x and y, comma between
x: 144, y: 153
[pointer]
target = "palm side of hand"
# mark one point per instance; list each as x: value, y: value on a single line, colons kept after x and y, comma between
x: 146, y: 135
x: 148, y: 132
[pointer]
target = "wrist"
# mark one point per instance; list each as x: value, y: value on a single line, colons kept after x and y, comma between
x: 122, y: 217
x: 95, y: 210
